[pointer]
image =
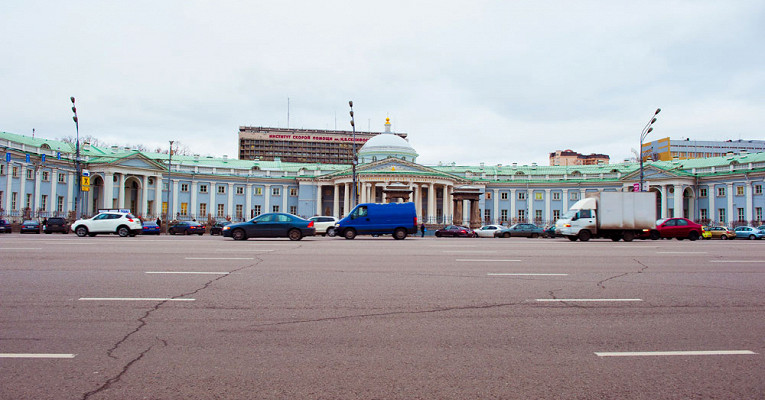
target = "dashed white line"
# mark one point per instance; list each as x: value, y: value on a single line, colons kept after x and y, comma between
x: 470, y: 251
x: 524, y: 274
x: 681, y: 252
x: 131, y: 299
x: 239, y: 251
x: 35, y: 355
x: 20, y: 248
x: 586, y: 300
x: 188, y: 272
x: 483, y: 260
x: 675, y: 353
x: 220, y: 258
x: 737, y: 261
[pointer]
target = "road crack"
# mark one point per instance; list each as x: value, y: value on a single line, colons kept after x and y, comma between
x: 602, y: 285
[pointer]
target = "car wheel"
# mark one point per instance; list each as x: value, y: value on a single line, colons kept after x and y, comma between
x: 534, y: 235
x: 295, y: 234
x: 572, y: 238
x: 349, y: 234
x: 438, y: 234
x: 123, y: 231
x: 331, y: 232
x: 187, y: 232
x: 693, y: 236
x: 81, y: 231
x: 584, y: 235
x: 751, y: 237
x: 724, y: 237
x: 628, y: 236
x: 506, y: 235
x: 655, y: 235
x: 399, y: 234
x: 238, y: 234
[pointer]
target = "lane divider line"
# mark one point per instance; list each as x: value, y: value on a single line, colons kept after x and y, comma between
x: 131, y: 299
x: 674, y: 353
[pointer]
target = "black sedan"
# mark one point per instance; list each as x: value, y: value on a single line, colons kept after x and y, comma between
x: 271, y: 225
x: 186, y: 228
x: 5, y: 226
x: 30, y: 226
x: 523, y: 230
x: 217, y: 228
x: 455, y: 231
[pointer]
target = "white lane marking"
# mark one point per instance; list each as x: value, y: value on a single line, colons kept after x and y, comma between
x: 737, y: 261
x: 524, y: 274
x: 20, y: 248
x: 131, y: 299
x: 481, y: 260
x: 219, y: 258
x: 188, y: 272
x: 470, y: 251
x: 453, y: 246
x: 35, y: 355
x: 681, y: 252
x: 238, y: 250
x: 675, y: 353
x: 587, y: 300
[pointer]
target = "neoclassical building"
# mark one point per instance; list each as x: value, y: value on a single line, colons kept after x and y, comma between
x: 38, y: 179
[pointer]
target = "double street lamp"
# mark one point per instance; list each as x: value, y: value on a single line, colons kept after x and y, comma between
x: 168, y: 216
x: 354, y: 160
x: 646, y: 130
x: 77, y: 196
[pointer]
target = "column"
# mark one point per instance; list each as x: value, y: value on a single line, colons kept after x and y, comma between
x: 458, y: 209
x: 678, y: 212
x: 730, y: 214
x: 432, y: 203
x: 446, y: 204
x: 108, y: 200
x: 417, y: 201
x: 749, y: 207
x: 158, y: 195
x: 36, y: 205
x: 70, y: 184
x: 530, y: 205
x: 267, y: 198
x: 174, y: 190
x: 193, y: 209
x: 121, y: 192
x: 8, y: 187
x: 663, y: 201
x: 318, y: 200
x: 346, y: 199
x: 22, y: 202
x: 565, y: 200
x: 53, y: 194
x: 248, y: 202
x: 285, y: 197
x: 548, y: 213
x: 144, y: 196
x: 336, y: 201
x: 513, y: 211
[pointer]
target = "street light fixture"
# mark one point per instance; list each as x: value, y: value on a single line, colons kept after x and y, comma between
x: 646, y: 130
x: 169, y: 184
x: 78, y: 195
x: 354, y: 199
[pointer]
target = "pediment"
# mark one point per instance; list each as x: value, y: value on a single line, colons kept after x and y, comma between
x: 652, y: 173
x: 393, y: 166
x: 138, y: 161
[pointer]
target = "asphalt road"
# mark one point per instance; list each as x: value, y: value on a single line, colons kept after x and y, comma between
x: 376, y: 318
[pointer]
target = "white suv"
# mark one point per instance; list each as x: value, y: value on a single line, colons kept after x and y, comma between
x: 325, y: 226
x: 120, y: 222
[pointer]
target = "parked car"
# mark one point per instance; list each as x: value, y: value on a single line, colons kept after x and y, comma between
x: 120, y: 222
x: 324, y: 225
x: 56, y: 224
x: 395, y: 219
x: 720, y: 232
x: 521, y: 230
x: 271, y: 225
x: 30, y: 226
x: 186, y: 228
x: 150, y: 228
x: 455, y: 231
x: 680, y: 228
x: 487, y: 231
x: 217, y: 228
x: 550, y: 232
x: 5, y: 226
x: 747, y: 232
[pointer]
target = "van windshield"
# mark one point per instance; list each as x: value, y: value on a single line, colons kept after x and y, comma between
x: 360, y: 211
x: 569, y: 214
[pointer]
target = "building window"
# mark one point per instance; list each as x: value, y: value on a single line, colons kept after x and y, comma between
x: 221, y: 210
x: 61, y: 178
x: 702, y: 192
x: 556, y: 215
x: 739, y: 190
x: 275, y: 209
x: 165, y: 186
x: 538, y: 196
x: 277, y: 191
x: 503, y: 195
x: 293, y: 192
x: 538, y: 215
x: 184, y: 209
x: 29, y: 201
x: 164, y: 207
x: 574, y: 196
x: 239, y: 190
x: 60, y: 204
x: 43, y: 202
x: 721, y: 192
x: 740, y: 212
x: 487, y: 215
x: 258, y: 192
x: 293, y: 210
x: 758, y: 213
x: 522, y: 215
x: 239, y: 212
x: 488, y: 195
x: 15, y: 171
x: 30, y: 174
x: 202, y: 188
x: 256, y: 210
x: 503, y: 214
x: 757, y: 189
x: 521, y: 195
x: 721, y: 214
x: 1, y: 198
x: 2, y: 169
x: 184, y: 188
x: 556, y: 195
x: 703, y: 213
x: 221, y: 189
x: 151, y: 181
x: 45, y: 176
x: 202, y: 210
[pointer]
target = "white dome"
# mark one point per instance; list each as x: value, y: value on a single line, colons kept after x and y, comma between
x: 386, y: 145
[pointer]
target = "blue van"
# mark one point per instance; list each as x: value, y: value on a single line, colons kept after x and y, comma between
x: 397, y: 219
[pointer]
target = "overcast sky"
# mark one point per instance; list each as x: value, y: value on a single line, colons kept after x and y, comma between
x: 469, y: 81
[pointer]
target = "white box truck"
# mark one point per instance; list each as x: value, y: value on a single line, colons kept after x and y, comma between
x: 614, y: 215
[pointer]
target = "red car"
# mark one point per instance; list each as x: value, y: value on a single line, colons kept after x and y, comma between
x: 680, y: 228
x: 455, y: 231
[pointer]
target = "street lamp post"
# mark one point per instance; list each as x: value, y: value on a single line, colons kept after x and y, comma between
x: 646, y: 130
x: 78, y: 195
x: 354, y: 199
x: 169, y: 184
